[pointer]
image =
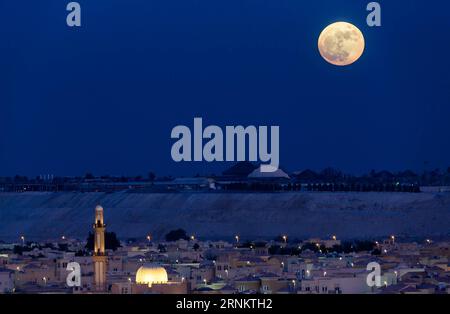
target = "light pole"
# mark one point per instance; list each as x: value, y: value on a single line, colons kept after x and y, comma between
x: 23, y: 240
x: 285, y: 239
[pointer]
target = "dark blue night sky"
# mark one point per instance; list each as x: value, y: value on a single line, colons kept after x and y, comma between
x: 105, y: 97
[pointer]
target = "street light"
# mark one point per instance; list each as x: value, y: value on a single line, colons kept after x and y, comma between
x: 285, y: 238
x: 393, y: 238
x: 237, y: 238
x: 192, y: 237
x: 149, y: 238
x: 334, y: 238
x: 23, y: 240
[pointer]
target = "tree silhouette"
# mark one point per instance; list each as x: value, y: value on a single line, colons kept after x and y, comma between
x: 176, y: 235
x: 111, y: 241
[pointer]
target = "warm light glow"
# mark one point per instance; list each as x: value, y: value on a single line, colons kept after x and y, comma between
x: 151, y: 274
x: 341, y: 43
x: 334, y: 238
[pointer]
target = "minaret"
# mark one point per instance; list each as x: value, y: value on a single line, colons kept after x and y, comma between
x: 99, y: 257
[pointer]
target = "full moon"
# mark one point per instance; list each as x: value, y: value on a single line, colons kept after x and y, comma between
x: 341, y: 43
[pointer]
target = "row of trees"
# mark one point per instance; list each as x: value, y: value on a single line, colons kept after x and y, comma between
x: 321, y: 187
x: 330, y: 175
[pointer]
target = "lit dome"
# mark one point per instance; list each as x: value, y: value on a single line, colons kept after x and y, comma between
x: 150, y: 274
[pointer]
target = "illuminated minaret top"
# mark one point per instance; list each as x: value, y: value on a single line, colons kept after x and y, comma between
x: 99, y: 250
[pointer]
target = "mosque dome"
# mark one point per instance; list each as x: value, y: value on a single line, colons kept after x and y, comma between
x: 150, y: 274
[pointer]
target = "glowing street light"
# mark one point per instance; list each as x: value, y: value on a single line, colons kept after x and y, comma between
x: 149, y: 238
x: 393, y: 238
x: 63, y: 238
x: 192, y: 237
x: 334, y: 237
x: 285, y: 238
x: 23, y: 240
x: 237, y: 238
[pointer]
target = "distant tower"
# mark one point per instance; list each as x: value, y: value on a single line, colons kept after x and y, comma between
x: 99, y: 257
